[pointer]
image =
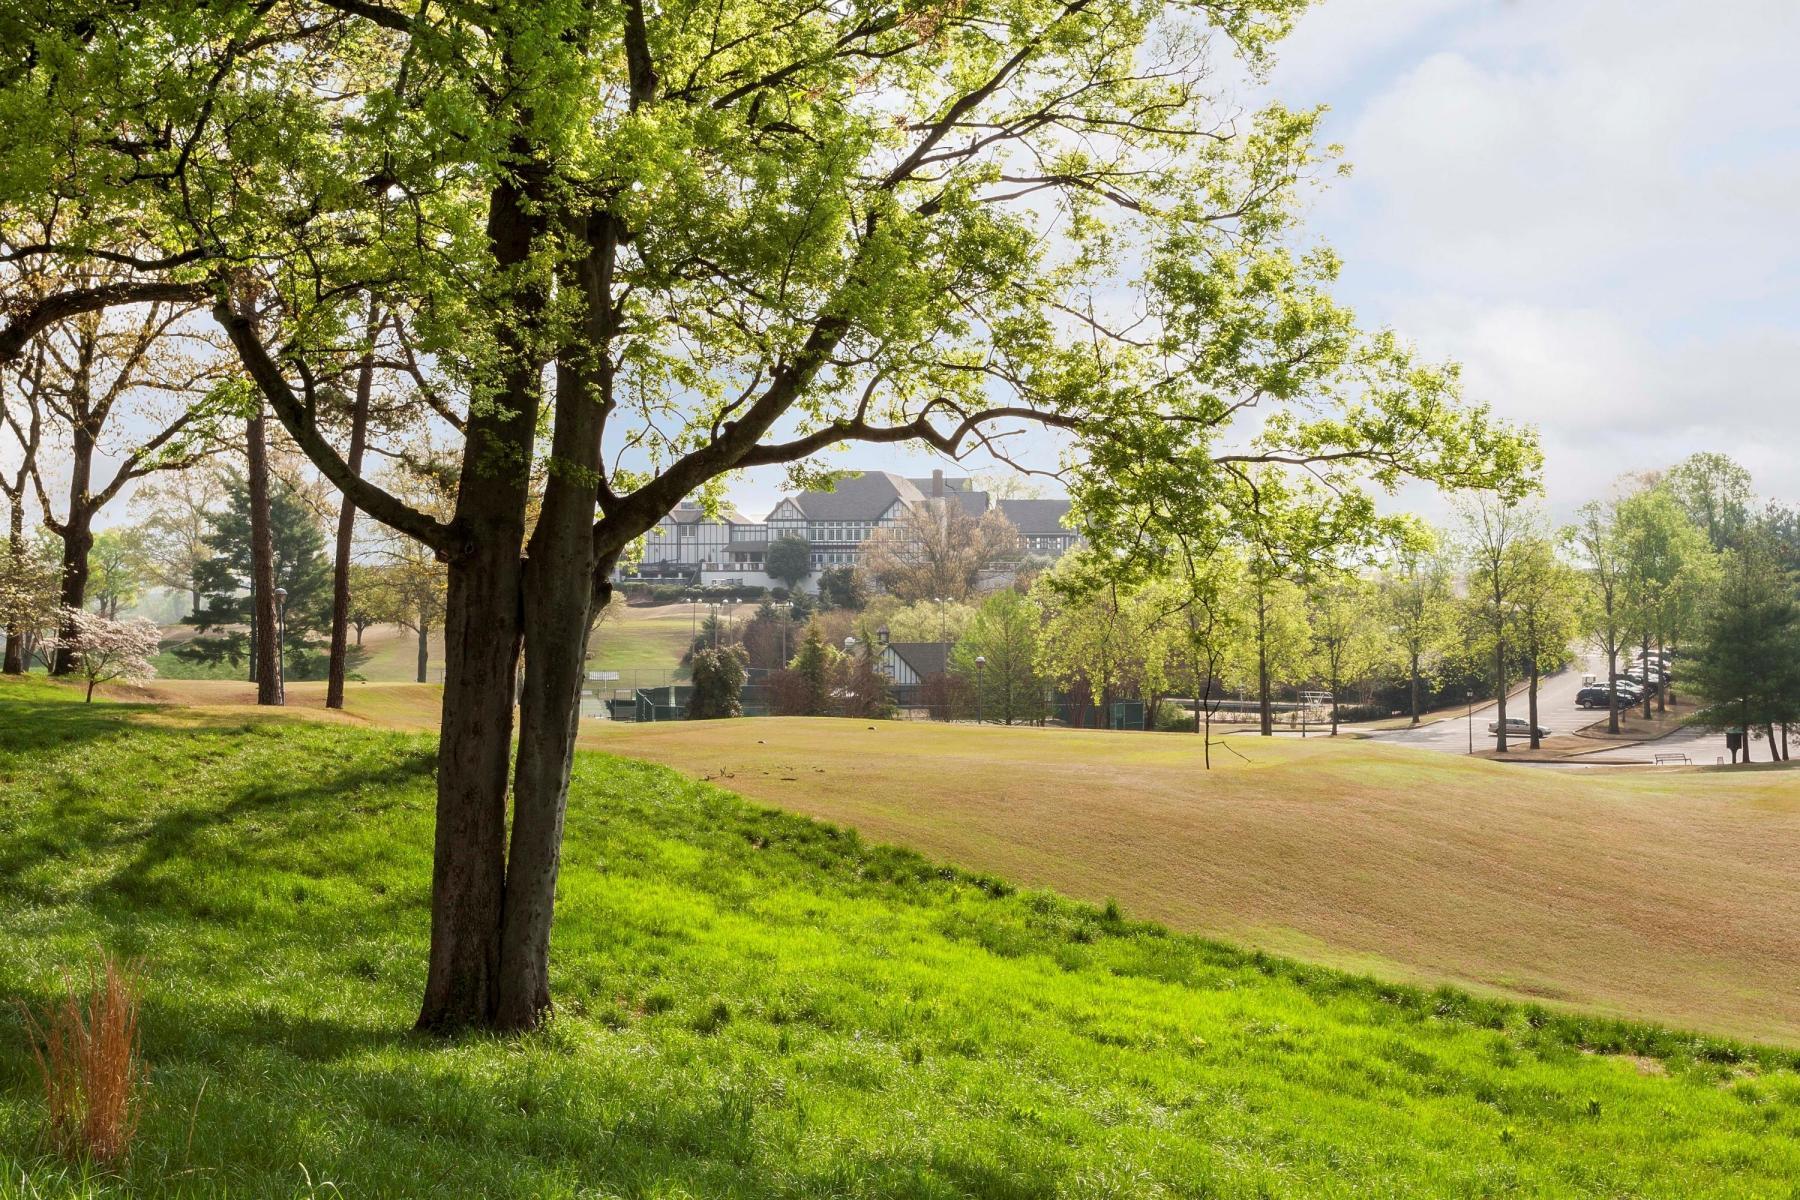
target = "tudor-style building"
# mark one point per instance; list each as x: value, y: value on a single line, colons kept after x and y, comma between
x: 838, y: 522
x: 687, y: 546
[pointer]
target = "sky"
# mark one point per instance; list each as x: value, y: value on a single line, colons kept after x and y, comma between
x: 1590, y: 204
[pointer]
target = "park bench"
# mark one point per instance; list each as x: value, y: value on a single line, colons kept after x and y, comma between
x: 1666, y: 760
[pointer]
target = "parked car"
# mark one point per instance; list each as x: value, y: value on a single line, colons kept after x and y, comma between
x: 1596, y: 695
x: 1517, y: 727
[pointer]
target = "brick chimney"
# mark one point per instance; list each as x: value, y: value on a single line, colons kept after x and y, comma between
x: 937, y: 483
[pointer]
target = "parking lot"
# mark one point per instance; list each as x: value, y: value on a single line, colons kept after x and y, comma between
x: 1561, y: 716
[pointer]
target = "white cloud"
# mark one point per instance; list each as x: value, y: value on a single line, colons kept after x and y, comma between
x: 1591, y: 204
x: 1339, y: 39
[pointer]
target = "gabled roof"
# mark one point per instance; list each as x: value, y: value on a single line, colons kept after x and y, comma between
x: 1036, y: 518
x: 689, y: 513
x: 925, y: 658
x: 864, y: 497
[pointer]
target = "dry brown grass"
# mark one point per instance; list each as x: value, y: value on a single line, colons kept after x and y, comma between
x: 86, y: 1048
x: 1673, y: 896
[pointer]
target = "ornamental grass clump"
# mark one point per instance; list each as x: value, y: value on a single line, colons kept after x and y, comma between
x: 86, y: 1047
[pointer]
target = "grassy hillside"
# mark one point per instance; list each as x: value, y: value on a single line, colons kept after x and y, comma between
x: 755, y: 1005
x: 1671, y: 895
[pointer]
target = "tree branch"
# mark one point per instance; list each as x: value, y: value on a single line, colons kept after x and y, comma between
x: 34, y: 318
x: 300, y: 422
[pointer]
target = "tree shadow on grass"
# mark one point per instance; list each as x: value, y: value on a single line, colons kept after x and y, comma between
x: 32, y: 726
x: 299, y: 806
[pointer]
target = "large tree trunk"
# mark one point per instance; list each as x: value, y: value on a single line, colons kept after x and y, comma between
x: 346, y: 529
x: 1646, y: 674
x: 14, y: 663
x: 264, y: 623
x: 77, y: 540
x: 424, y: 663
x: 481, y: 658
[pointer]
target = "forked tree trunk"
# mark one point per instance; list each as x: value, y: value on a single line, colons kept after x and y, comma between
x: 346, y: 530
x: 565, y: 585
x: 482, y: 618
x: 264, y: 624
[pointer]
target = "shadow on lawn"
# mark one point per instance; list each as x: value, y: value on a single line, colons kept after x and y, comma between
x: 27, y: 726
x: 299, y: 809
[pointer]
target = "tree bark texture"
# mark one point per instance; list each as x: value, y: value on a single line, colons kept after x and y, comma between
x: 482, y: 620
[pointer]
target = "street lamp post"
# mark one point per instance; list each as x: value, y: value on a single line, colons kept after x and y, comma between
x: 1470, y: 696
x: 280, y: 645
x: 980, y: 668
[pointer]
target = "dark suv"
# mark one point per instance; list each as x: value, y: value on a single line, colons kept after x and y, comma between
x: 1596, y: 695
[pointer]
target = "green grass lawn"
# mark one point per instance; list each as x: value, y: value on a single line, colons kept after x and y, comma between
x: 756, y: 1005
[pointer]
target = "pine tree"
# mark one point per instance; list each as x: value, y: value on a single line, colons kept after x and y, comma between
x: 1746, y: 666
x: 813, y: 666
x: 224, y: 580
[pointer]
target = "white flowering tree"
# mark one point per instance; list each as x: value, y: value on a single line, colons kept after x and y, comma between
x: 102, y: 649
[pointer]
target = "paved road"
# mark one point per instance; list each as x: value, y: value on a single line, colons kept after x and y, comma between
x: 1558, y: 712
